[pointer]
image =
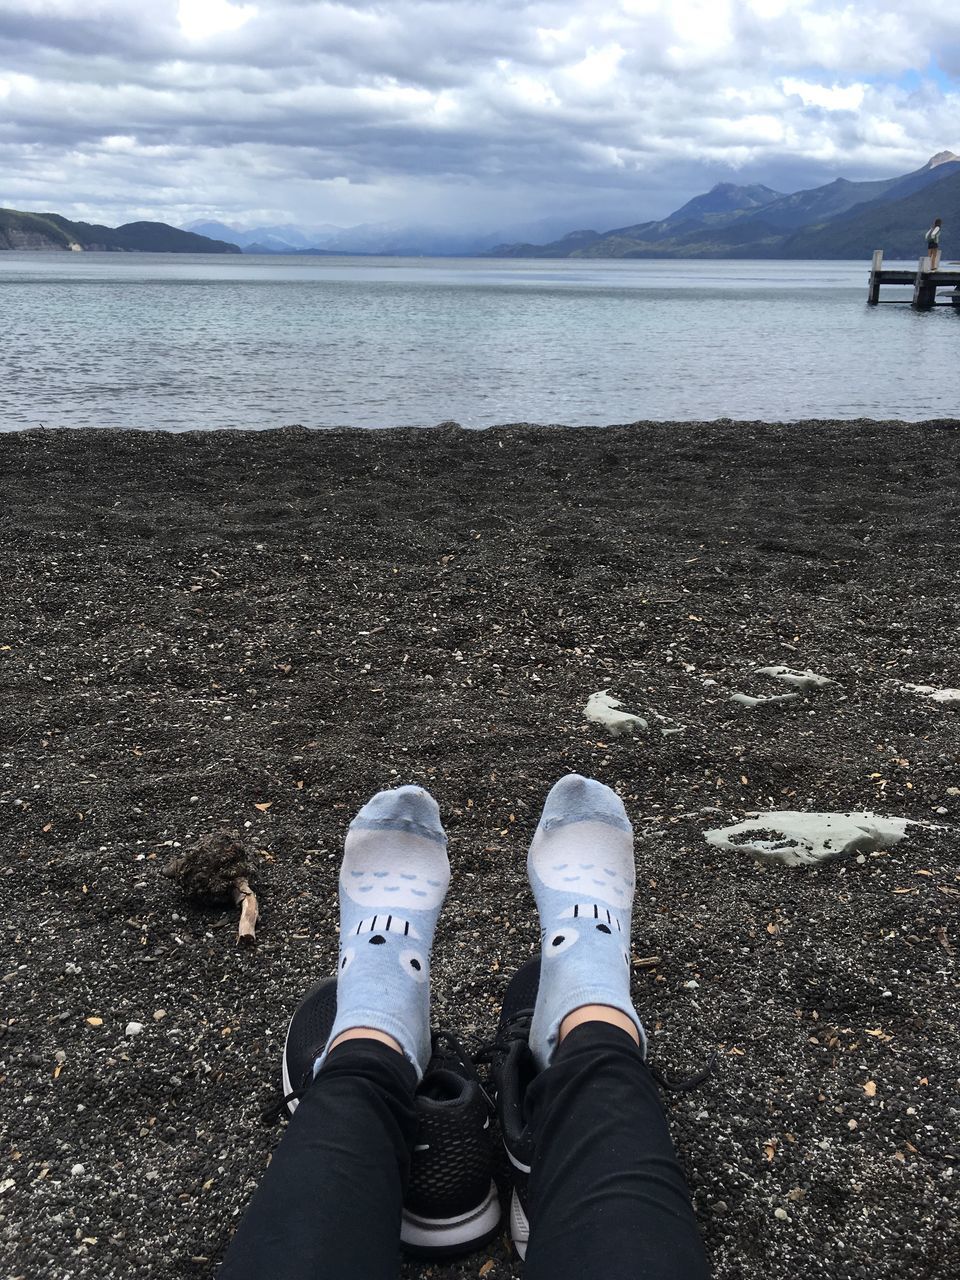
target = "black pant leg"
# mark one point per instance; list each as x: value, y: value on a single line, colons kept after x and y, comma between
x: 607, y: 1194
x: 330, y: 1202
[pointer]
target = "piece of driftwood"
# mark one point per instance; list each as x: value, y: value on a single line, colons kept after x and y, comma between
x: 218, y: 869
x: 246, y: 900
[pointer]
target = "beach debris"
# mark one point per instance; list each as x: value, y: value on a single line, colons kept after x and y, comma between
x: 604, y: 710
x: 668, y: 726
x: 808, y: 839
x: 218, y: 869
x: 746, y: 700
x: 949, y: 697
x: 133, y: 1029
x: 805, y: 681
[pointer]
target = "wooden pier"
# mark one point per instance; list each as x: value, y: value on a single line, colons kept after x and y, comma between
x: 924, y: 282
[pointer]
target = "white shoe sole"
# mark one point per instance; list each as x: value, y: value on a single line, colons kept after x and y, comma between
x: 519, y: 1227
x: 440, y: 1235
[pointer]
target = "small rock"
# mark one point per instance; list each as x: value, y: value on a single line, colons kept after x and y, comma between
x: 133, y: 1028
x: 782, y: 1215
x: 77, y: 1170
x: 692, y: 985
x: 71, y: 968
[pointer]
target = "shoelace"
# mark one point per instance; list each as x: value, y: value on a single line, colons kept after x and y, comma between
x: 445, y: 1048
x: 686, y: 1083
x: 277, y: 1105
x: 514, y: 1029
x: 518, y: 1028
x: 448, y: 1048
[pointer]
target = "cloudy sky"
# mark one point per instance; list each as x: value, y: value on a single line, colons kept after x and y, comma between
x: 470, y: 113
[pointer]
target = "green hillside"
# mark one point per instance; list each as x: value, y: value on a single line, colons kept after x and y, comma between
x: 840, y: 220
x: 50, y: 231
x: 898, y: 228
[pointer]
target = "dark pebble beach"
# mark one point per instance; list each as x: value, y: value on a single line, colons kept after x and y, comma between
x: 260, y: 630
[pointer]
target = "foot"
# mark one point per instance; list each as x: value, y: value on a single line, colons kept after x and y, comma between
x: 582, y: 873
x: 393, y: 881
x: 450, y: 1205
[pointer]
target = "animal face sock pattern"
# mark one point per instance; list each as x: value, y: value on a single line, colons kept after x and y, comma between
x: 582, y: 875
x: 393, y: 880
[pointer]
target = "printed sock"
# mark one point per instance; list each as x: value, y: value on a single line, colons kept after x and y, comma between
x: 582, y: 874
x: 393, y: 880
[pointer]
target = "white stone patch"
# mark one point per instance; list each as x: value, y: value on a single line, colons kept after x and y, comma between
x: 948, y: 697
x: 603, y: 710
x: 805, y: 681
x: 745, y: 699
x: 807, y: 839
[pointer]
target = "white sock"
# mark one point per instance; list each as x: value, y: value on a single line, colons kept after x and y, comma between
x: 582, y: 873
x: 393, y: 880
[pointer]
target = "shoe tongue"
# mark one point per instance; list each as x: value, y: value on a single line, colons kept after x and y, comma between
x: 442, y: 1085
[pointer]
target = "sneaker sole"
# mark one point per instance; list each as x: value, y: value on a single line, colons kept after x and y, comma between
x: 519, y: 1227
x: 288, y: 1086
x: 436, y: 1237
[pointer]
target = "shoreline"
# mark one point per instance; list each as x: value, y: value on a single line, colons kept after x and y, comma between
x: 784, y: 424
x: 294, y: 618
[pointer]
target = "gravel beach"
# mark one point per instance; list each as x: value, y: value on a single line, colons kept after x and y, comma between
x: 259, y: 630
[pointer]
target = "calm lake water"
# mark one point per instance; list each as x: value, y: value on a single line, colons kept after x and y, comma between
x: 183, y: 341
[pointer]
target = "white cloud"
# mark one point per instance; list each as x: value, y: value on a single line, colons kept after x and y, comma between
x: 830, y: 97
x: 201, y: 19
x: 494, y: 109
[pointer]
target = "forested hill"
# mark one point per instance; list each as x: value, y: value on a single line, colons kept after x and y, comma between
x: 19, y: 230
x: 842, y: 219
x: 898, y: 228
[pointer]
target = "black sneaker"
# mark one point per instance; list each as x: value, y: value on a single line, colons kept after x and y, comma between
x: 451, y: 1205
x: 513, y: 1070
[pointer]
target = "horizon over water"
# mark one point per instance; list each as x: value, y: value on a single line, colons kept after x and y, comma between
x: 185, y: 341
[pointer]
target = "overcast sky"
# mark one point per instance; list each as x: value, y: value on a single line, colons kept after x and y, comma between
x: 472, y: 113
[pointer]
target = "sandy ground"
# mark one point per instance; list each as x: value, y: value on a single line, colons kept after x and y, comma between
x: 263, y: 629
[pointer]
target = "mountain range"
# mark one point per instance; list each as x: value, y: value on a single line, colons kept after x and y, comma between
x: 376, y: 238
x: 19, y: 230
x: 842, y: 219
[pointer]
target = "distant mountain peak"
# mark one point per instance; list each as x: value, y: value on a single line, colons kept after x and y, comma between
x: 725, y: 198
x: 942, y: 157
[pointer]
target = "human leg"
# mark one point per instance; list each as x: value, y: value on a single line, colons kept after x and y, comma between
x: 329, y: 1205
x: 579, y: 1109
x: 605, y: 1181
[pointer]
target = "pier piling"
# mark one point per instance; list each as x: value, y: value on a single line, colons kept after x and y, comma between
x: 924, y: 280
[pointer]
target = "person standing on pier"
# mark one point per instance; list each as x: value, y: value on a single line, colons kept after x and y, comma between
x: 933, y: 244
